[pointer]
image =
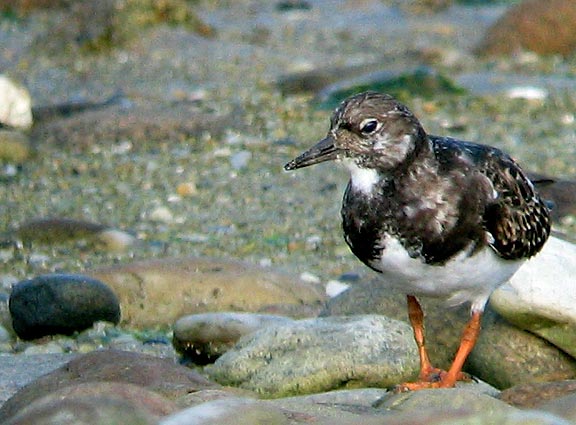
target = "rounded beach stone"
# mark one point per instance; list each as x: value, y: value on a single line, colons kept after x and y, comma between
x: 86, y: 411
x: 540, y: 297
x: 320, y: 354
x: 204, y: 337
x: 15, y: 104
x: 156, y: 292
x: 60, y: 304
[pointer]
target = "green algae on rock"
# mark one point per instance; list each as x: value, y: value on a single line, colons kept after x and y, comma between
x: 422, y: 82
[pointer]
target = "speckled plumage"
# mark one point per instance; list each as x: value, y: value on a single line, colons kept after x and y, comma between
x: 441, y: 198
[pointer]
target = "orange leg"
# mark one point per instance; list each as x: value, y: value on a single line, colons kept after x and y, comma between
x: 431, y: 377
x: 467, y: 343
x: 416, y: 316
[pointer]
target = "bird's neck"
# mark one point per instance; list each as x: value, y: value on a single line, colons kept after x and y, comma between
x: 366, y: 178
x: 421, y: 155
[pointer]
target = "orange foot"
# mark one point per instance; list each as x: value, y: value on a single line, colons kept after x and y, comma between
x: 434, y: 374
x: 433, y: 378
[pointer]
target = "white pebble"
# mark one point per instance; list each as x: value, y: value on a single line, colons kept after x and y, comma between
x: 162, y: 215
x: 265, y: 262
x: 335, y: 287
x: 309, y: 277
x: 116, y: 240
x: 313, y: 242
x: 527, y: 92
x: 15, y: 104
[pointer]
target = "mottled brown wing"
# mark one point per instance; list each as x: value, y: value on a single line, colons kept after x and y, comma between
x: 518, y: 219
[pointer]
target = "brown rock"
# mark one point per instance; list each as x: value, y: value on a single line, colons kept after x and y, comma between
x: 543, y: 27
x: 157, y: 292
x: 93, y: 411
x: 534, y: 394
x: 560, y: 192
x: 58, y: 230
x: 96, y: 394
x: 154, y: 374
x: 153, y: 125
x: 54, y: 230
x: 203, y: 338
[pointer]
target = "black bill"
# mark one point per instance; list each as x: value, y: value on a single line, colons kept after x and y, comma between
x: 324, y: 150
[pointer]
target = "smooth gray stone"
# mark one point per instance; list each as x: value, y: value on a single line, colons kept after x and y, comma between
x: 320, y: 354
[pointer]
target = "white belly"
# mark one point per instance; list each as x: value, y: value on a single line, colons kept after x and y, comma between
x: 462, y: 279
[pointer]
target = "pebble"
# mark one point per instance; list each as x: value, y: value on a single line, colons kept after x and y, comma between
x: 161, y: 215
x: 55, y: 231
x: 309, y: 277
x: 320, y: 354
x: 527, y: 92
x: 187, y: 189
x: 115, y: 240
x: 204, y: 337
x: 15, y: 104
x: 335, y: 287
x: 60, y: 304
x: 8, y: 172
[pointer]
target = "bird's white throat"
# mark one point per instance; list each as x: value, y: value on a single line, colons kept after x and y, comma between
x: 363, y: 179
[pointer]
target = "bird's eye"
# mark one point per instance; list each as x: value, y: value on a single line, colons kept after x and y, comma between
x: 369, y: 125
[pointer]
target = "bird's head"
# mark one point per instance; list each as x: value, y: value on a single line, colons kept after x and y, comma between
x: 369, y: 130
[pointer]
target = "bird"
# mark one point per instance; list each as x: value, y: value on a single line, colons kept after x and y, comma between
x: 434, y: 216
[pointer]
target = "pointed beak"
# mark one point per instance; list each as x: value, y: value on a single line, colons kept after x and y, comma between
x: 324, y: 150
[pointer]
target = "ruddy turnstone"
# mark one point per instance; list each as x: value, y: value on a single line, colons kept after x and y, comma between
x: 435, y: 216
